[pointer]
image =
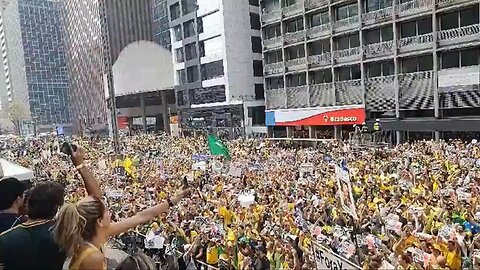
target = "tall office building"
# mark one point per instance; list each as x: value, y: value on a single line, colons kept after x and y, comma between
x: 88, y: 25
x: 412, y: 64
x: 33, y: 55
x: 218, y: 64
x: 161, y: 28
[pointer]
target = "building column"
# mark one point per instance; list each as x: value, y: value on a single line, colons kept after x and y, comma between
x: 399, y: 136
x: 437, y: 135
x: 311, y: 132
x: 165, y: 112
x: 144, y: 112
x: 290, y: 132
x: 337, y: 131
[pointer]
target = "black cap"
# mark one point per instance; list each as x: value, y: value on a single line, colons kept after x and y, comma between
x: 10, y: 189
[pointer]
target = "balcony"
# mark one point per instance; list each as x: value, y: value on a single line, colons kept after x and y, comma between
x: 318, y: 31
x: 272, y: 16
x: 446, y: 3
x: 274, y: 68
x: 313, y: 4
x: 416, y: 90
x: 346, y: 55
x: 349, y: 93
x: 293, y: 10
x: 377, y: 16
x: 322, y: 95
x: 459, y: 87
x: 297, y: 97
x: 272, y: 43
x: 380, y: 94
x: 378, y: 49
x: 469, y: 33
x: 275, y: 99
x: 413, y: 7
x: 320, y: 60
x: 415, y: 43
x: 346, y: 24
x: 294, y: 37
x: 296, y: 64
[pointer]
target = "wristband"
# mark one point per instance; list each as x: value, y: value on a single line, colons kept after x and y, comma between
x: 170, y: 203
x: 80, y: 166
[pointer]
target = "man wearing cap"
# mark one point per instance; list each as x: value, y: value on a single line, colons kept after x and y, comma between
x: 12, y: 199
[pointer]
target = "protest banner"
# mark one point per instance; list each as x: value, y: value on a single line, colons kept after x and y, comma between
x: 115, y: 194
x: 235, y: 170
x: 326, y: 259
x: 345, y: 191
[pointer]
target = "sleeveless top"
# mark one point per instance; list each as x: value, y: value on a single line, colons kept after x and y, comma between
x: 78, y: 260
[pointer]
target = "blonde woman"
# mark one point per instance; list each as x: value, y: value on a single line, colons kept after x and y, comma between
x: 84, y: 227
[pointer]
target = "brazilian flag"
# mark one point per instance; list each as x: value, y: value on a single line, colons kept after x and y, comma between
x: 217, y: 148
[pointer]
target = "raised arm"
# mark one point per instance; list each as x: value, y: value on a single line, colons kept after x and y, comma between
x: 145, y: 215
x: 91, y: 184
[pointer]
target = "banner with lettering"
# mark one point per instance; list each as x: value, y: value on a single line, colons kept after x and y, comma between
x: 326, y: 259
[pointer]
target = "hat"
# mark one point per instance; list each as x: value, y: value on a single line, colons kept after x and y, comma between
x: 10, y: 189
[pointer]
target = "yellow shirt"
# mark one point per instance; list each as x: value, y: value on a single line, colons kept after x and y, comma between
x: 226, y: 214
x: 212, y: 255
x: 454, y: 259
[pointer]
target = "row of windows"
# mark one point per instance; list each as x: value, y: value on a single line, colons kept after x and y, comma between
x: 451, y: 20
x: 452, y: 59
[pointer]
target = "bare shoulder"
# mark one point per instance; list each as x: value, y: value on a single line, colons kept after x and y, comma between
x: 95, y: 260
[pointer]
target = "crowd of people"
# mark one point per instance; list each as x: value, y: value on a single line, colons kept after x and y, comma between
x: 268, y: 207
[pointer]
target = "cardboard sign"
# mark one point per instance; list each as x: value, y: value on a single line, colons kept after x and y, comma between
x: 235, y: 171
x: 115, y: 194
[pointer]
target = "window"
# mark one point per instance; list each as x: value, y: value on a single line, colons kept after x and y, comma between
x: 349, y: 73
x: 177, y: 32
x: 180, y: 100
x: 378, y: 69
x: 273, y: 57
x: 469, y: 16
x: 295, y: 52
x: 190, y: 51
x: 319, y: 47
x: 379, y: 35
x: 256, y: 44
x: 212, y: 70
x: 273, y: 31
x: 179, y: 55
x: 200, y: 25
x: 201, y: 48
x: 415, y: 28
x: 294, y: 25
x: 192, y: 74
x: 274, y: 83
x: 257, y: 114
x: 175, y: 11
x: 181, y: 77
x: 462, y: 58
x: 347, y: 11
x: 372, y: 5
x: 188, y: 29
x: 188, y: 6
x: 347, y: 42
x: 294, y: 80
x: 255, y: 21
x: 257, y: 68
x: 321, y: 76
x: 459, y: 18
x: 289, y: 2
x: 253, y: 3
x: 259, y: 92
x: 319, y: 19
x: 416, y: 64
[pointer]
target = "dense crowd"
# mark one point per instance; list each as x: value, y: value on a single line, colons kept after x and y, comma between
x: 266, y: 208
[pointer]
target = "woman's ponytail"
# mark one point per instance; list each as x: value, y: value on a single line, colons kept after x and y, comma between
x: 68, y: 228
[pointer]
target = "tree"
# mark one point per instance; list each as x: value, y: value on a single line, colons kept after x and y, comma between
x: 17, y: 112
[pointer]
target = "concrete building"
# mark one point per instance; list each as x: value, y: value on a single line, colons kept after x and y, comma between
x: 108, y: 30
x: 216, y: 46
x: 34, y: 68
x: 413, y: 64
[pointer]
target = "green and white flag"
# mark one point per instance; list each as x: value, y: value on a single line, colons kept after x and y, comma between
x: 217, y: 148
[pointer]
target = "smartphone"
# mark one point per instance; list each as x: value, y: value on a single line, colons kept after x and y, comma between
x: 68, y: 149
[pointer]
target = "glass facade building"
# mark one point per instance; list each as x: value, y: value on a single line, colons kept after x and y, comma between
x: 34, y: 60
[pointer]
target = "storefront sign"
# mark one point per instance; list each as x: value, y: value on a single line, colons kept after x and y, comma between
x: 324, y: 116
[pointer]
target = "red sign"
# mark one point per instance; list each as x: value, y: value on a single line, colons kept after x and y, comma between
x: 122, y: 122
x: 330, y: 118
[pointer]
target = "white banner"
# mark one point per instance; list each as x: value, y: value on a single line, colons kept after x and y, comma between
x: 326, y: 259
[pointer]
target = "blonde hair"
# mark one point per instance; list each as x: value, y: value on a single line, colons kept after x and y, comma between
x: 76, y: 223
